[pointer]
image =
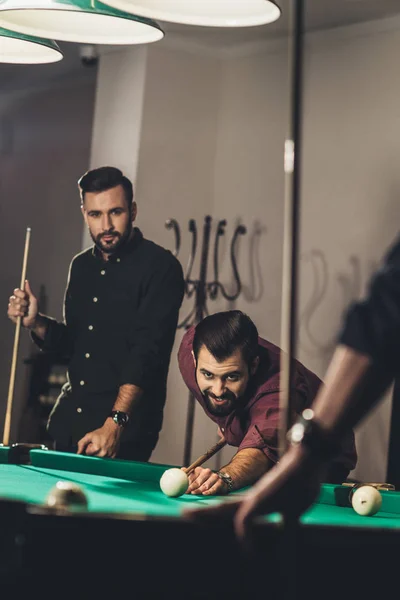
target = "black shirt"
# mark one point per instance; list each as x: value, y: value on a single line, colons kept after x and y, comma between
x: 372, y: 326
x: 120, y: 319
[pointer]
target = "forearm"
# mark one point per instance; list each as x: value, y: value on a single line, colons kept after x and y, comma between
x: 353, y: 384
x: 246, y: 467
x: 128, y: 398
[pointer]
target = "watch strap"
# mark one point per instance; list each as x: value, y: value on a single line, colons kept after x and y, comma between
x: 226, y: 479
x: 308, y: 432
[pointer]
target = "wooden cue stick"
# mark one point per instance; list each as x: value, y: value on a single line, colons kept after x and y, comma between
x: 291, y: 221
x: 202, y: 459
x: 7, y: 422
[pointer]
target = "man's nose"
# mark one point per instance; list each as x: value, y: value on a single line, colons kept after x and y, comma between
x: 106, y: 223
x: 218, y: 388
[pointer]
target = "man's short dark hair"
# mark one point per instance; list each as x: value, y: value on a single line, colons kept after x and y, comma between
x: 103, y: 179
x: 224, y: 332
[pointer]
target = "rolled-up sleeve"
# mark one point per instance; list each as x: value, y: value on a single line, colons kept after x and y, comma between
x: 372, y: 326
x: 152, y: 333
x: 56, y: 341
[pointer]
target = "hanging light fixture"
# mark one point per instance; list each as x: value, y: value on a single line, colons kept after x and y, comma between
x: 210, y: 13
x: 18, y: 48
x: 81, y: 21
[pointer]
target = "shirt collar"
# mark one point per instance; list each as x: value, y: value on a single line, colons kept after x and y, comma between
x: 126, y: 249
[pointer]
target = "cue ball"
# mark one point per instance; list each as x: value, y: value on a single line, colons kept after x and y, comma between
x: 174, y: 482
x: 366, y: 500
x: 66, y: 494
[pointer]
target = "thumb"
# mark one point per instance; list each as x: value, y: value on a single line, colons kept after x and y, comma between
x: 27, y: 289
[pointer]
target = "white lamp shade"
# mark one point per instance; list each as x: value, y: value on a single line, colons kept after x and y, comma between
x: 81, y: 21
x: 210, y: 13
x: 23, y: 49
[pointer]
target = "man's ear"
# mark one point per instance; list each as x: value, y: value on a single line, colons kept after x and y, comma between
x: 83, y: 211
x: 133, y: 211
x: 254, y: 366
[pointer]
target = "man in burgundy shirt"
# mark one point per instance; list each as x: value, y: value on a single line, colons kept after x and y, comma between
x: 235, y: 376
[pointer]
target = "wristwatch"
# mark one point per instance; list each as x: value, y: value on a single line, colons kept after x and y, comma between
x: 119, y: 417
x: 308, y: 432
x: 226, y: 479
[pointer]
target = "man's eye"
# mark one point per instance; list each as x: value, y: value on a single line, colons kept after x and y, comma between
x: 117, y: 211
x: 233, y: 378
x: 207, y: 375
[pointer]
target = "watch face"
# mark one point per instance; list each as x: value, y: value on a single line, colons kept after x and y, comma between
x: 120, y: 418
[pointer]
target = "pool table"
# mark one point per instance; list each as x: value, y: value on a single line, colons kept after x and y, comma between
x: 134, y: 541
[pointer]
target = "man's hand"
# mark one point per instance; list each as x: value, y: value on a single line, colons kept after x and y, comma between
x: 23, y: 304
x: 103, y: 442
x: 289, y: 487
x: 204, y: 482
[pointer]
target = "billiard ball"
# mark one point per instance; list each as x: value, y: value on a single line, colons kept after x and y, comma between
x: 366, y: 500
x: 174, y: 482
x: 66, y: 494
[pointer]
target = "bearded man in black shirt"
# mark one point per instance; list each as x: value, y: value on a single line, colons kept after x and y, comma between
x: 120, y: 315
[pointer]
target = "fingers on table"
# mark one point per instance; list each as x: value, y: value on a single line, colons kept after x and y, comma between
x: 204, y: 482
x: 83, y: 444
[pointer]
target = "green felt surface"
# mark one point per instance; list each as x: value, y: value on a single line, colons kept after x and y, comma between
x: 118, y: 486
x: 333, y: 509
x: 110, y: 486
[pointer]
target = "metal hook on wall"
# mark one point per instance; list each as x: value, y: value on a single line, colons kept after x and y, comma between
x: 202, y: 289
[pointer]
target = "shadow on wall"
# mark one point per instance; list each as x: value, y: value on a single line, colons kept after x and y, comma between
x: 253, y: 292
x: 319, y: 298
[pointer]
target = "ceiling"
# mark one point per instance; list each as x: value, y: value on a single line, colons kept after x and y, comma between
x: 320, y: 14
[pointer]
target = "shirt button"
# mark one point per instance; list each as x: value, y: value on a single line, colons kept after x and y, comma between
x: 118, y: 260
x: 95, y: 299
x: 91, y: 327
x: 87, y: 355
x: 78, y: 410
x: 102, y: 272
x: 82, y: 383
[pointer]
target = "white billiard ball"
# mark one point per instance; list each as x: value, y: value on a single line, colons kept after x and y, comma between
x: 174, y: 482
x: 66, y: 494
x: 366, y: 500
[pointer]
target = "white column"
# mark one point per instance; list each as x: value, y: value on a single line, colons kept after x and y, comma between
x: 118, y: 112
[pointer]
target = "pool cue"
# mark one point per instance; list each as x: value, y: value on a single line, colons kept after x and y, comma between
x: 293, y: 153
x: 204, y: 457
x: 7, y: 422
x: 288, y: 546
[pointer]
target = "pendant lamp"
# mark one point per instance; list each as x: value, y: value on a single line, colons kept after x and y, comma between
x: 81, y: 21
x: 18, y: 48
x: 210, y: 13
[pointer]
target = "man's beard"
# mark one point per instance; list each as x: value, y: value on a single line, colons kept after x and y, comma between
x: 220, y: 410
x: 110, y: 248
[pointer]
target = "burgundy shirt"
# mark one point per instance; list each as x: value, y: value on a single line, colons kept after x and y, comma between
x: 255, y: 424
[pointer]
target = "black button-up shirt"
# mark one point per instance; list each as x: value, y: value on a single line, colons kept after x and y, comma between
x: 372, y: 325
x: 120, y: 319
